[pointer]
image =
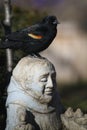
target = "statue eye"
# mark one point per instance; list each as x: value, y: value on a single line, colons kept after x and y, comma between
x: 44, y: 79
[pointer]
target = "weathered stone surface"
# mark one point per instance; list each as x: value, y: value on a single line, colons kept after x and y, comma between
x: 33, y: 102
x: 74, y: 120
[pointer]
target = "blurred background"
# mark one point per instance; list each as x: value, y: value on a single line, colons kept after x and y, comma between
x: 68, y: 52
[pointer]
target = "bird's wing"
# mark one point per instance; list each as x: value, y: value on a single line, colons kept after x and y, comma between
x: 35, y: 32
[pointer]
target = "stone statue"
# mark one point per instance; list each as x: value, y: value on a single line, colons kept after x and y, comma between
x: 33, y: 102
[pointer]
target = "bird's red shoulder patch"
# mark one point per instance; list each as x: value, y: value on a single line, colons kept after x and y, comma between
x: 34, y: 36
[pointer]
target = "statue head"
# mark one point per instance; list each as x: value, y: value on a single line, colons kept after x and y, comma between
x: 37, y: 78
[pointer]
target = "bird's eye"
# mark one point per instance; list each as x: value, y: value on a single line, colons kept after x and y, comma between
x: 44, y: 77
x: 55, y: 22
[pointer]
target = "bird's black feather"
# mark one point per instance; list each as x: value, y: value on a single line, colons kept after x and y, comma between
x: 32, y: 39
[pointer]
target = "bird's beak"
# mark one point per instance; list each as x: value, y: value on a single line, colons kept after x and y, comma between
x: 58, y: 22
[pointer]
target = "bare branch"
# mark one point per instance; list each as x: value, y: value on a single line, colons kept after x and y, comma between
x: 7, y: 6
x: 9, y: 60
x: 7, y: 29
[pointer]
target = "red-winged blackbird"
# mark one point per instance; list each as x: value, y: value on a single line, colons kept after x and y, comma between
x: 32, y: 39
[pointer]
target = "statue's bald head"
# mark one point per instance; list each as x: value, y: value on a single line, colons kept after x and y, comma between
x: 27, y: 67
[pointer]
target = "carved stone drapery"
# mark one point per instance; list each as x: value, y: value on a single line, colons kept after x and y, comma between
x: 33, y: 102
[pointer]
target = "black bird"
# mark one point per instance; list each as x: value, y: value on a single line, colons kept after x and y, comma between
x: 33, y: 39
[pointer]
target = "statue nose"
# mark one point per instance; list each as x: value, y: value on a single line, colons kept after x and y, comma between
x: 50, y: 82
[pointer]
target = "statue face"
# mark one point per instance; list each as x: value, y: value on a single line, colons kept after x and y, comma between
x: 43, y: 83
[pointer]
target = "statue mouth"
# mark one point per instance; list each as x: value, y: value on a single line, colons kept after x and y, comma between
x: 49, y: 91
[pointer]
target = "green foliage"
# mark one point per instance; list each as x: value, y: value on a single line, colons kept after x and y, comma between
x: 74, y: 96
x: 1, y: 18
x: 23, y: 18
